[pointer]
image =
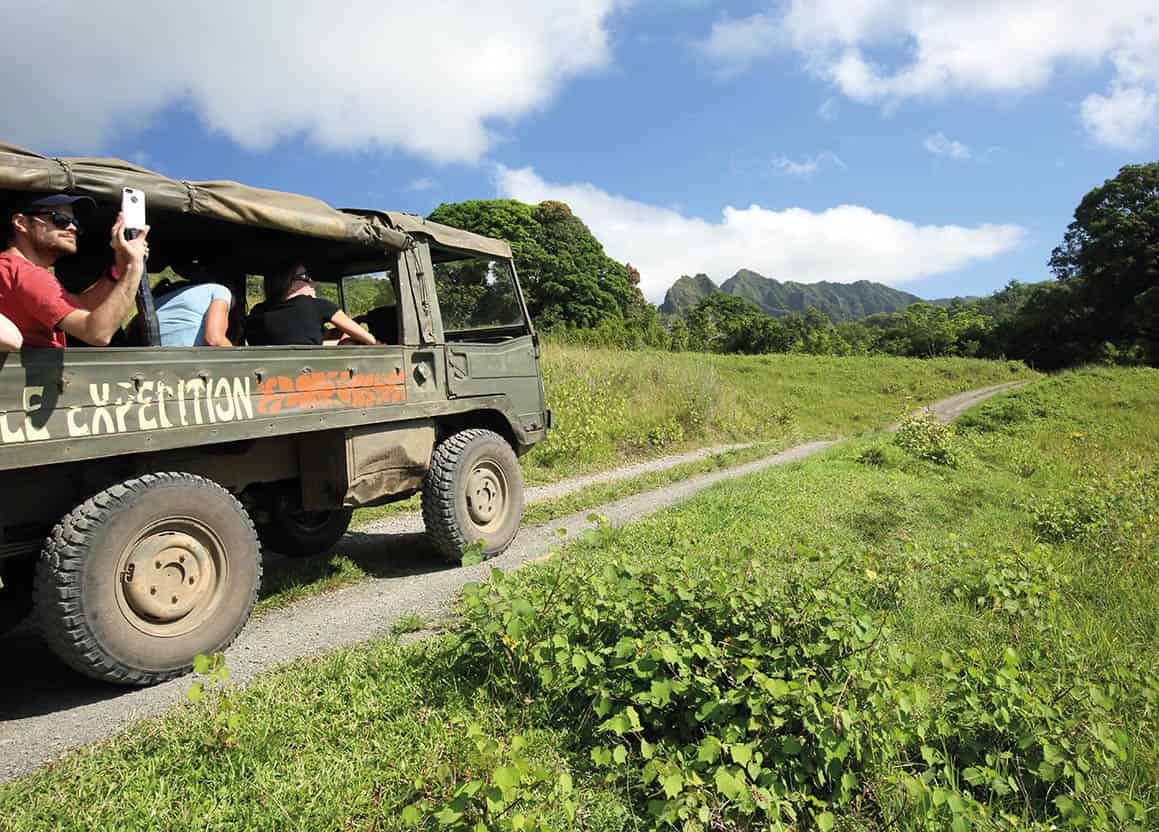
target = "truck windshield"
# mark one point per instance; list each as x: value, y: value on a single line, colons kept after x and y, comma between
x: 477, y: 293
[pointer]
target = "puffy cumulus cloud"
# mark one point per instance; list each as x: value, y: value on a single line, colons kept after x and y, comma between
x: 843, y: 244
x: 945, y: 47
x: 1126, y: 118
x: 734, y: 45
x: 430, y: 78
x: 940, y: 144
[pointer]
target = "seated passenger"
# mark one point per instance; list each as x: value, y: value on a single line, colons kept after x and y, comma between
x: 195, y: 313
x: 293, y: 314
x: 40, y: 232
x: 382, y: 321
x: 10, y: 338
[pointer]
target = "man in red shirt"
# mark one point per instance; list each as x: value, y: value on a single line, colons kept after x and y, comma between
x: 39, y: 233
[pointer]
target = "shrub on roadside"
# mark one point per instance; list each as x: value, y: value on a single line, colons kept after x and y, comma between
x: 721, y: 693
x: 922, y: 436
x: 875, y: 456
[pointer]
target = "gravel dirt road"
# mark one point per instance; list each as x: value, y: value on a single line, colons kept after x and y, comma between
x: 46, y: 710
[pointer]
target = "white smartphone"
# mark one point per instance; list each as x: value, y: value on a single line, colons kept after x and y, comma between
x: 133, y: 207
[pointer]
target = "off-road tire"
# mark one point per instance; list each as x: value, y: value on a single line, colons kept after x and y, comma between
x: 97, y: 619
x: 286, y: 534
x: 483, y: 461
x: 16, y: 594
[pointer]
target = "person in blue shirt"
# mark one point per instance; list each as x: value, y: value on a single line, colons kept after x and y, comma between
x: 195, y: 314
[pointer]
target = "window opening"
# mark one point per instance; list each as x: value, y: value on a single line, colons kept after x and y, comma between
x: 371, y: 300
x: 477, y: 294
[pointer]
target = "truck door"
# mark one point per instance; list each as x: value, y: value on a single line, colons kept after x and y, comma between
x: 491, y: 347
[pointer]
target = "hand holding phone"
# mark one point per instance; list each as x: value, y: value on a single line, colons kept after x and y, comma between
x: 128, y: 246
x: 133, y: 207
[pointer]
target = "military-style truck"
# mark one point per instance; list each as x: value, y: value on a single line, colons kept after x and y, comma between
x: 138, y: 483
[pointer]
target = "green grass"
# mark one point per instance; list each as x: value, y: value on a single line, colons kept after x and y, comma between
x: 613, y: 406
x: 288, y: 581
x: 1017, y: 592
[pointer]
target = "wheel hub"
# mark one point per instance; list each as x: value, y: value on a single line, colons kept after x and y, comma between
x: 486, y: 494
x: 166, y: 576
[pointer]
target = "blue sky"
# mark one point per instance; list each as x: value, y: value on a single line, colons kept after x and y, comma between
x: 937, y: 146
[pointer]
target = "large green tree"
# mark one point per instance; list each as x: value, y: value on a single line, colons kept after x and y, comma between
x: 725, y: 323
x: 569, y: 281
x: 1111, y: 254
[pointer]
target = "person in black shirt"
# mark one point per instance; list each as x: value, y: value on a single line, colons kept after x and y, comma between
x: 292, y: 313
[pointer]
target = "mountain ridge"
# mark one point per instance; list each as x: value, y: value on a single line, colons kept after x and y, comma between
x: 839, y: 301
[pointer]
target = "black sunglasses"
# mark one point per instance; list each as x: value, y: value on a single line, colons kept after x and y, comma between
x: 60, y: 220
x: 305, y: 278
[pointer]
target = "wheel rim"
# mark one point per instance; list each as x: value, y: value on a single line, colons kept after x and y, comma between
x: 171, y: 578
x: 487, y: 495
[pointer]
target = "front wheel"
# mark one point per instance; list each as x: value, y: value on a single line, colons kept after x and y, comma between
x: 473, y: 493
x: 136, y: 582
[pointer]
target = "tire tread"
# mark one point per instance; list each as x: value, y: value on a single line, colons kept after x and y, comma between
x: 438, y: 494
x: 58, y: 611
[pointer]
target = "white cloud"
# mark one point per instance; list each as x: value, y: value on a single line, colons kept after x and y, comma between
x: 828, y: 110
x: 940, y: 144
x: 807, y: 166
x: 423, y: 183
x: 844, y: 243
x: 434, y: 79
x: 1127, y: 118
x: 948, y: 47
x: 734, y: 45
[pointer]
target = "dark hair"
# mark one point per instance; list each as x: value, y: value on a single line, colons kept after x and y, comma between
x: 197, y: 271
x: 8, y: 212
x: 277, y: 284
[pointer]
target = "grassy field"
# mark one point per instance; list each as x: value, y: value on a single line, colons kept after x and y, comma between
x: 948, y: 630
x: 612, y: 408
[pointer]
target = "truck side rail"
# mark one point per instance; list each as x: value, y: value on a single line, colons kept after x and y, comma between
x: 70, y: 405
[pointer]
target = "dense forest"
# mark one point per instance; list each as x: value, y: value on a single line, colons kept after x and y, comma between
x: 1103, y: 304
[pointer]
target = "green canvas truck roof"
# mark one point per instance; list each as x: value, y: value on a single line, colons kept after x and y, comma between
x: 23, y: 171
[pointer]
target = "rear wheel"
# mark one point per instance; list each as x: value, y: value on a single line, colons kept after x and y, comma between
x: 298, y: 533
x: 137, y: 581
x: 16, y: 594
x: 473, y: 493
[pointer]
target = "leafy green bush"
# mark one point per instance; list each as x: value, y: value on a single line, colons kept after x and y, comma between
x: 495, y: 788
x: 874, y: 455
x: 1014, y: 583
x: 721, y: 692
x: 921, y: 435
x: 1097, y: 505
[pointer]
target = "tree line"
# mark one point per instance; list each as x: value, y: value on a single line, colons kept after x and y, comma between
x: 1103, y: 304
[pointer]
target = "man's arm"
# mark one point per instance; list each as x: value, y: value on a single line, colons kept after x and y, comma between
x: 216, y: 324
x: 10, y: 338
x: 95, y: 295
x: 97, y: 326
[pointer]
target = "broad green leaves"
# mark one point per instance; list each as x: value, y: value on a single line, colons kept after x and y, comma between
x: 784, y: 701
